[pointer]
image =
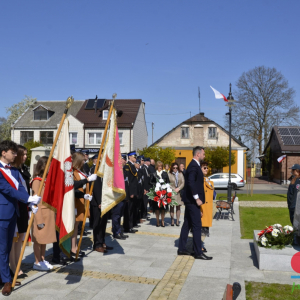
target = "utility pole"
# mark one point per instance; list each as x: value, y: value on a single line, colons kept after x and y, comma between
x: 199, y: 98
x: 152, y: 131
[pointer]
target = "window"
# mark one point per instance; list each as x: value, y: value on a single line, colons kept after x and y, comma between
x: 184, y: 132
x: 26, y: 136
x: 95, y: 138
x: 105, y: 114
x: 121, y: 138
x: 46, y: 137
x: 73, y: 138
x: 215, y: 177
x: 212, y: 132
x: 42, y: 114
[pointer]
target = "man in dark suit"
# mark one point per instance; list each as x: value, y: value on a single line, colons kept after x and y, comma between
x: 86, y: 167
x: 193, y: 198
x: 147, y: 186
x: 11, y: 191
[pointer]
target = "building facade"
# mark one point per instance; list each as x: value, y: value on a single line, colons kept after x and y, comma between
x: 201, y: 131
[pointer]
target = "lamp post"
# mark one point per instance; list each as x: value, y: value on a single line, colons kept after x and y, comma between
x: 229, y: 104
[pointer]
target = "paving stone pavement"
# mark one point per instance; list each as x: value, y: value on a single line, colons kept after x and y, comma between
x: 146, y: 266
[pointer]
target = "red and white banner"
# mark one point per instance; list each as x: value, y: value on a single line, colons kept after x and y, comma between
x: 281, y: 158
x: 59, y: 189
x: 111, y: 169
x: 218, y: 95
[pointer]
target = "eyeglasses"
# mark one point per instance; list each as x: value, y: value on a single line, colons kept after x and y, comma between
x: 205, y: 168
x: 175, y: 167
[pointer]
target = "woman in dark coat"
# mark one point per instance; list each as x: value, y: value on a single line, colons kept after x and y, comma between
x: 159, y: 174
x: 294, y: 187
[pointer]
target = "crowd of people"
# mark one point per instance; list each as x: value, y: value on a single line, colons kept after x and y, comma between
x: 140, y: 175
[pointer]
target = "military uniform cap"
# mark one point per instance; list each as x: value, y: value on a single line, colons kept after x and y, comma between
x: 147, y: 159
x: 132, y: 153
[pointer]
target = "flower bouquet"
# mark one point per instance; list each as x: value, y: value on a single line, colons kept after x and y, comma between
x: 162, y: 194
x: 276, y: 236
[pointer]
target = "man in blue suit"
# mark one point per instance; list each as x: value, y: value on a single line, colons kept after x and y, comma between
x: 11, y: 191
x: 193, y: 198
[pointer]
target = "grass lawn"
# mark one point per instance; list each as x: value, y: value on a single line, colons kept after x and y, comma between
x: 273, y: 291
x: 257, y: 218
x: 257, y: 197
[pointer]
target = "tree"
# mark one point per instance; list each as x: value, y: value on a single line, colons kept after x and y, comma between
x: 167, y: 155
x: 2, y: 121
x: 264, y: 100
x: 29, y: 145
x: 218, y: 158
x: 15, y: 111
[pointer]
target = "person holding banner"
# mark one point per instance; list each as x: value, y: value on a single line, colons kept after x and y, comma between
x: 43, y: 229
x: 11, y: 192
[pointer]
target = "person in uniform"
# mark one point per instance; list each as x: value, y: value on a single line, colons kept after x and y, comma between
x: 140, y: 191
x: 11, y: 192
x: 131, y: 176
x: 92, y: 171
x: 146, y: 186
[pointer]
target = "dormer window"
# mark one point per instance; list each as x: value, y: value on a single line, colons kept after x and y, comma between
x: 41, y: 113
x: 105, y: 114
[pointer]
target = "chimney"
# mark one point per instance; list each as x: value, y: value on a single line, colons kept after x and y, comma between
x: 202, y: 114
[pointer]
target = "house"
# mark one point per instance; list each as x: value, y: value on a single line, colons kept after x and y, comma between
x: 87, y: 119
x: 40, y: 122
x: 131, y: 123
x: 284, y: 140
x: 201, y: 131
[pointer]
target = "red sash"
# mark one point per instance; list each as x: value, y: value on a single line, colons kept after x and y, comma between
x: 9, y: 180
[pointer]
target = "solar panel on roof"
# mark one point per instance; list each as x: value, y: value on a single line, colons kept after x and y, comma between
x: 296, y: 140
x: 284, y: 131
x: 287, y: 140
x: 294, y: 131
x: 100, y: 103
x: 90, y: 104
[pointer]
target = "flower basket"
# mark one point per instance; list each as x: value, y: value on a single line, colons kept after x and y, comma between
x: 162, y: 194
x: 276, y: 236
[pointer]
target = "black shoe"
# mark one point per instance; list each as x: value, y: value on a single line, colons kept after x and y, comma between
x: 124, y: 235
x: 204, y: 250
x: 157, y: 225
x: 85, y: 233
x: 203, y: 256
x: 137, y: 226
x: 183, y: 252
x: 119, y: 237
x: 62, y: 261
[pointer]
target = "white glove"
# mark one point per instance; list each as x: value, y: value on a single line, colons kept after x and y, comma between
x: 93, y: 177
x: 88, y: 197
x: 34, y: 199
x: 34, y: 208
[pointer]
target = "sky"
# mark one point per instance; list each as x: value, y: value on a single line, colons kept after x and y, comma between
x: 159, y: 51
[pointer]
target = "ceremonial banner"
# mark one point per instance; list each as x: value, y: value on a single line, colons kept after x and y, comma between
x: 59, y: 190
x: 111, y: 169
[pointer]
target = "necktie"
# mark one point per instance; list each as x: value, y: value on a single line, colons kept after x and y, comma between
x: 7, y: 167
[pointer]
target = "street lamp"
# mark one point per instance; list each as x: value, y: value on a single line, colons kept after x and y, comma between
x: 229, y: 104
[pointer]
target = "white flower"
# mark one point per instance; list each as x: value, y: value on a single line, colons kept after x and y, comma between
x: 277, y: 226
x: 158, y: 185
x: 163, y: 186
x: 161, y: 180
x: 275, y: 232
x: 167, y: 185
x: 288, y: 228
x: 169, y: 190
x: 264, y: 241
x: 156, y: 189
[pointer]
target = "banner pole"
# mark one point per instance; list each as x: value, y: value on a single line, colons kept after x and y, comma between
x: 69, y: 102
x: 87, y: 202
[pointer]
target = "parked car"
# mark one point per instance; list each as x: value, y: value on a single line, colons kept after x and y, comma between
x: 220, y: 180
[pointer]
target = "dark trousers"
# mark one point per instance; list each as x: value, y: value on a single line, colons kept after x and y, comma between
x: 91, y: 219
x: 56, y: 248
x: 7, y: 231
x: 116, y: 215
x: 192, y: 219
x: 129, y: 214
x: 99, y: 227
x: 139, y: 205
x: 144, y: 206
x: 292, y: 213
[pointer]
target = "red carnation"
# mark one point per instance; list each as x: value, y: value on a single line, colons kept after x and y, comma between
x: 158, y: 193
x: 169, y: 195
x: 169, y: 200
x: 156, y: 198
x: 163, y: 192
